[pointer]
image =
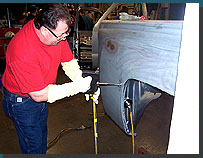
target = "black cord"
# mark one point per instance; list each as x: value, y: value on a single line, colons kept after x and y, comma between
x: 55, y: 140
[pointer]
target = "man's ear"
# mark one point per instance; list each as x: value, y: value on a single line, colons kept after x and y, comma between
x: 43, y: 30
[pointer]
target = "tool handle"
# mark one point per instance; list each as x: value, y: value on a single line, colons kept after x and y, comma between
x: 108, y: 84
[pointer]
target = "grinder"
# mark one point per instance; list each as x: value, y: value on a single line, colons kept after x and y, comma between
x: 95, y: 81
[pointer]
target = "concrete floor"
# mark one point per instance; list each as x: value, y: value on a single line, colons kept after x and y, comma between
x: 152, y: 129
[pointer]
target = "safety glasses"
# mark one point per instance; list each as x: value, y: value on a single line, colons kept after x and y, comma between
x: 62, y: 35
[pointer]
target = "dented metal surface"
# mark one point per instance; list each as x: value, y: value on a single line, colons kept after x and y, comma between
x: 141, y: 56
x: 147, y: 50
x: 130, y: 52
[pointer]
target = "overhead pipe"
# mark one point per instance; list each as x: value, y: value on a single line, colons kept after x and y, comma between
x: 144, y: 10
x: 95, y: 34
x: 8, y: 18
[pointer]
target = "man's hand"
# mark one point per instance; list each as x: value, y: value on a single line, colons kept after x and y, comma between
x: 83, y: 84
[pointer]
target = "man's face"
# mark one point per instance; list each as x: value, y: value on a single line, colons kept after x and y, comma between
x: 54, y: 36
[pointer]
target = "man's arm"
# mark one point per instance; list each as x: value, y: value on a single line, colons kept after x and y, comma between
x: 54, y: 92
x: 72, y: 69
x: 40, y: 96
x: 63, y: 63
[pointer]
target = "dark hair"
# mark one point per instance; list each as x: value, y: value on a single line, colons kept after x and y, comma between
x: 50, y: 15
x: 33, y: 8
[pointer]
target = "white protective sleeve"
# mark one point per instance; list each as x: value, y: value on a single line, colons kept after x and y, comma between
x: 57, y: 92
x: 72, y: 69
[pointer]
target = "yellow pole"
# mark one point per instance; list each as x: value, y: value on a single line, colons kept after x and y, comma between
x: 133, y: 140
x: 95, y: 127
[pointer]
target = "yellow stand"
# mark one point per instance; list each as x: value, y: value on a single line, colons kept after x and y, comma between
x: 95, y: 125
x: 133, y: 139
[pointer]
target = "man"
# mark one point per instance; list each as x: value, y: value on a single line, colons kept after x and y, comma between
x: 87, y: 22
x: 33, y: 57
x: 33, y: 12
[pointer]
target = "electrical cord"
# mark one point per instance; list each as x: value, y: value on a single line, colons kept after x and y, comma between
x: 54, y: 141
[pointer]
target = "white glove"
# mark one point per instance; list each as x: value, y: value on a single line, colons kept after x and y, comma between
x: 57, y: 92
x: 83, y: 84
x: 95, y: 96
